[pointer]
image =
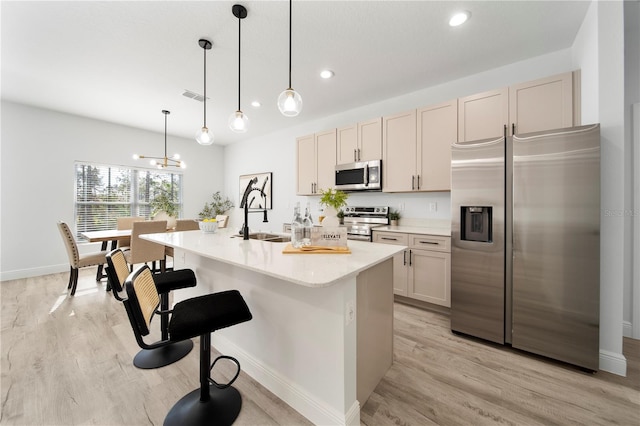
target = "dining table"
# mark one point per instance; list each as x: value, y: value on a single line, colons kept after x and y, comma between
x: 104, y: 237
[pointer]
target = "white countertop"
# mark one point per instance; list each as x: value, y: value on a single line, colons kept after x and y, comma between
x: 310, y: 270
x: 442, y: 232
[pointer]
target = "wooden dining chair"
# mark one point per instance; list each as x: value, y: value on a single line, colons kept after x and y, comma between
x: 143, y: 251
x: 78, y: 260
x: 126, y: 222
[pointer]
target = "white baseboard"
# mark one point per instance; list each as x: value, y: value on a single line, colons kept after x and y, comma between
x: 33, y: 272
x: 299, y: 399
x: 627, y: 329
x: 613, y: 363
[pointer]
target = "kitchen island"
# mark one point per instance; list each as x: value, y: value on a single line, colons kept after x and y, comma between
x: 321, y: 337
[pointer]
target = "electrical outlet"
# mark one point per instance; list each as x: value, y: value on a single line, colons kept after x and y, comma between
x: 401, y: 207
x: 433, y: 207
x: 350, y: 313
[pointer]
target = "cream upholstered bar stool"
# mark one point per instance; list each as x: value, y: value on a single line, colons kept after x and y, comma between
x: 162, y: 352
x: 143, y: 251
x: 77, y: 260
x: 212, y: 403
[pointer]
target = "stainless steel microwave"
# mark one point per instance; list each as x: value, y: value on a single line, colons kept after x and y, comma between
x: 361, y: 176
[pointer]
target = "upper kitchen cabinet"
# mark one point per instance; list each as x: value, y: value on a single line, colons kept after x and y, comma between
x: 417, y: 148
x: 543, y: 104
x: 360, y: 142
x: 399, y: 152
x: 437, y: 131
x: 483, y: 115
x: 316, y: 162
x: 538, y: 105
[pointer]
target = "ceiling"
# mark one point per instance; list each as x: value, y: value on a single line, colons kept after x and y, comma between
x: 125, y: 61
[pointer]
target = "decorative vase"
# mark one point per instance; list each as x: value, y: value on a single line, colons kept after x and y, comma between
x: 171, y: 221
x: 330, y: 217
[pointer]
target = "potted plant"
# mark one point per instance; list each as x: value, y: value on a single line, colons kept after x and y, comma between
x: 333, y: 200
x: 217, y: 206
x: 164, y: 206
x: 341, y: 216
x: 394, y: 217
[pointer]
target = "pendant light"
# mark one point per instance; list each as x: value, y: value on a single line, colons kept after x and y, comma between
x: 290, y: 101
x: 203, y: 136
x: 238, y: 121
x: 165, y: 161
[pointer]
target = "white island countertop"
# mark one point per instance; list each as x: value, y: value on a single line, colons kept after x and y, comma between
x: 309, y: 270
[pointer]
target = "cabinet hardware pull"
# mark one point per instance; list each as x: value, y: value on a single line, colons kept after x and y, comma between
x: 358, y: 154
x: 413, y: 178
x: 418, y: 181
x: 429, y: 242
x: 404, y: 258
x: 513, y: 129
x: 355, y: 157
x: 410, y: 257
x: 388, y: 239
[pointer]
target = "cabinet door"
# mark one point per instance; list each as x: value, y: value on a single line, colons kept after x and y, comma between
x: 399, y: 152
x: 430, y: 277
x: 400, y: 260
x: 437, y: 131
x: 326, y: 159
x: 483, y: 115
x: 370, y: 140
x: 543, y: 104
x: 306, y: 164
x: 347, y: 144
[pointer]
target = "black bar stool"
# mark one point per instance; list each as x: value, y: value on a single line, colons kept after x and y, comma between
x: 213, y: 403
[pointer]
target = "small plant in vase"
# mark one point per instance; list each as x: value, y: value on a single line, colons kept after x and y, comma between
x: 164, y: 207
x: 394, y: 217
x: 333, y: 200
x: 218, y: 205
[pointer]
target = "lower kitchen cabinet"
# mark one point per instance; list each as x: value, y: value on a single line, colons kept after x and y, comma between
x: 423, y: 271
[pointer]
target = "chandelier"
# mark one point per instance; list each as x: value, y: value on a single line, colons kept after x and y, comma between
x: 163, y: 162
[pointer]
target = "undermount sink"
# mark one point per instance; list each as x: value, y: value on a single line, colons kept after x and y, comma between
x: 272, y: 238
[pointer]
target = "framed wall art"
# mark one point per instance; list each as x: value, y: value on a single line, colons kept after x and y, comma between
x: 260, y: 196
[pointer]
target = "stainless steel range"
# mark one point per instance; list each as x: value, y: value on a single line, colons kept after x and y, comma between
x: 361, y: 220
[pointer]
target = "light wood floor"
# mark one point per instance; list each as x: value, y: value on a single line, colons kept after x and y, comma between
x: 67, y: 360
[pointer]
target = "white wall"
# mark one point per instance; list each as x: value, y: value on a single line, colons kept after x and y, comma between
x: 38, y: 149
x: 276, y: 152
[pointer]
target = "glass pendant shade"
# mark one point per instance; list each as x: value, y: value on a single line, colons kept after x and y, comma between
x: 204, y: 137
x: 239, y: 122
x: 290, y: 103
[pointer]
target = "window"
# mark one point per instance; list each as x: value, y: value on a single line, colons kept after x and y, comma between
x: 104, y: 193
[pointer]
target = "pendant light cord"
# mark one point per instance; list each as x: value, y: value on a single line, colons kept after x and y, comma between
x: 239, y: 47
x: 290, y: 2
x: 165, y: 133
x: 204, y: 49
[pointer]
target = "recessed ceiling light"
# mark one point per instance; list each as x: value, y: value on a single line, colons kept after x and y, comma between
x: 255, y: 104
x: 326, y: 74
x: 459, y: 18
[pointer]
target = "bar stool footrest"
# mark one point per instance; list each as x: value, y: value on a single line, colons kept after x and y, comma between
x: 230, y: 382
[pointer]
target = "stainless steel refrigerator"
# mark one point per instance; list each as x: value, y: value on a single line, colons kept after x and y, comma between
x: 525, y: 231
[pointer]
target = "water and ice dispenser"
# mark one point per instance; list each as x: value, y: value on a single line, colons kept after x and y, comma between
x: 476, y: 223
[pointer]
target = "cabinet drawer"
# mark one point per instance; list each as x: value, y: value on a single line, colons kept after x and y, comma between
x: 396, y: 238
x: 430, y: 242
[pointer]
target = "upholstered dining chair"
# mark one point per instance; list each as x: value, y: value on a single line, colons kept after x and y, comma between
x: 182, y: 225
x: 212, y: 403
x: 126, y: 222
x: 78, y: 260
x: 162, y: 352
x: 143, y: 251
